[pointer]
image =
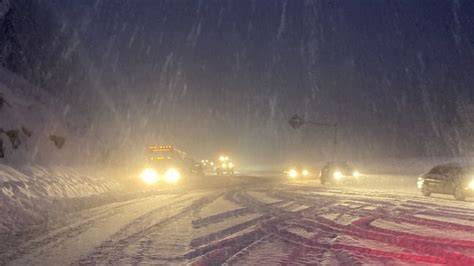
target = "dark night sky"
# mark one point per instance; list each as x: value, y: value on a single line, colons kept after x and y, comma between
x: 226, y: 75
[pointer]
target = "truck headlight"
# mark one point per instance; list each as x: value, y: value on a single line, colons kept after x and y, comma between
x: 292, y: 173
x: 231, y: 165
x: 356, y: 174
x: 224, y: 165
x: 337, y: 175
x: 471, y: 185
x: 172, y: 175
x: 149, y: 176
x: 305, y: 172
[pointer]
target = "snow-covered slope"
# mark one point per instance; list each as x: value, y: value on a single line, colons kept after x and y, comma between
x: 40, y: 143
x: 33, y: 125
x: 31, y: 195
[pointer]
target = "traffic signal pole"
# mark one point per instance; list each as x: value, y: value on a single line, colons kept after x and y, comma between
x: 334, y: 127
x: 296, y: 122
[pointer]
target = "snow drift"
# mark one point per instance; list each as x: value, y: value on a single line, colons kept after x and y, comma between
x: 32, y: 195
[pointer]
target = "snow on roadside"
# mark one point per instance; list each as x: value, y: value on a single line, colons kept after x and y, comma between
x: 32, y: 195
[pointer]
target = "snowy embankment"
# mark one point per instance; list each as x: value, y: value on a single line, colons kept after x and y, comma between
x: 32, y: 195
x: 39, y: 135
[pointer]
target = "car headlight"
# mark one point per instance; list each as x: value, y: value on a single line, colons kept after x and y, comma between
x: 149, y: 176
x: 471, y: 185
x: 305, y: 172
x: 292, y: 173
x: 337, y: 175
x: 172, y: 175
x: 420, y: 182
x: 356, y: 174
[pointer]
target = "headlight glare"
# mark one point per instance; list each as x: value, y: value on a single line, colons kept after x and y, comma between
x: 471, y: 185
x: 149, y: 176
x: 172, y: 175
x: 292, y: 173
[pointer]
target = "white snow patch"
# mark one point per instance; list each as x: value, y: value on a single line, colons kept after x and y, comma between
x: 447, y: 219
x: 29, y: 195
x: 422, y: 230
x: 366, y: 243
x: 221, y: 225
x: 64, y: 249
x: 218, y: 206
x: 344, y: 219
x: 263, y: 197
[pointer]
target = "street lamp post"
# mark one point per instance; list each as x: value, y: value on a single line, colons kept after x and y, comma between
x: 296, y: 122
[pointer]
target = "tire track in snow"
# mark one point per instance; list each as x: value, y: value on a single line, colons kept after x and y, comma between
x: 350, y: 214
x: 272, y: 213
x: 201, y: 222
x: 226, y: 243
x: 414, y: 240
x: 65, y: 232
x: 112, y: 250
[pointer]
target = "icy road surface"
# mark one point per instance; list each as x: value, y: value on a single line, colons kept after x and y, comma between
x: 261, y: 220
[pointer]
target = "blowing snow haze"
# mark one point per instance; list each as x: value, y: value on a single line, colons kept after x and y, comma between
x: 397, y: 76
x: 101, y: 100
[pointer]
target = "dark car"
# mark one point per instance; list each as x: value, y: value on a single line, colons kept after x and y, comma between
x: 338, y: 172
x: 448, y: 179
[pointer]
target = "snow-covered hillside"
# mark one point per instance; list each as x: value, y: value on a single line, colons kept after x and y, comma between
x: 33, y: 126
x: 40, y: 144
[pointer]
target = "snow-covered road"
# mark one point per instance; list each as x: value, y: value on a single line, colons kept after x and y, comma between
x: 254, y: 222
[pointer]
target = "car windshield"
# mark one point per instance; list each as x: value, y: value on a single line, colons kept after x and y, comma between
x: 236, y: 132
x: 452, y: 170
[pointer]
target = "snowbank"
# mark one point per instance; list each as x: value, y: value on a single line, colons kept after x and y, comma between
x: 32, y: 195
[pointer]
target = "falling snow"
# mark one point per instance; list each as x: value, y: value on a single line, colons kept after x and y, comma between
x: 86, y: 86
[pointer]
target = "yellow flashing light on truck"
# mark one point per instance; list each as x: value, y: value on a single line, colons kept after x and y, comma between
x: 157, y: 148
